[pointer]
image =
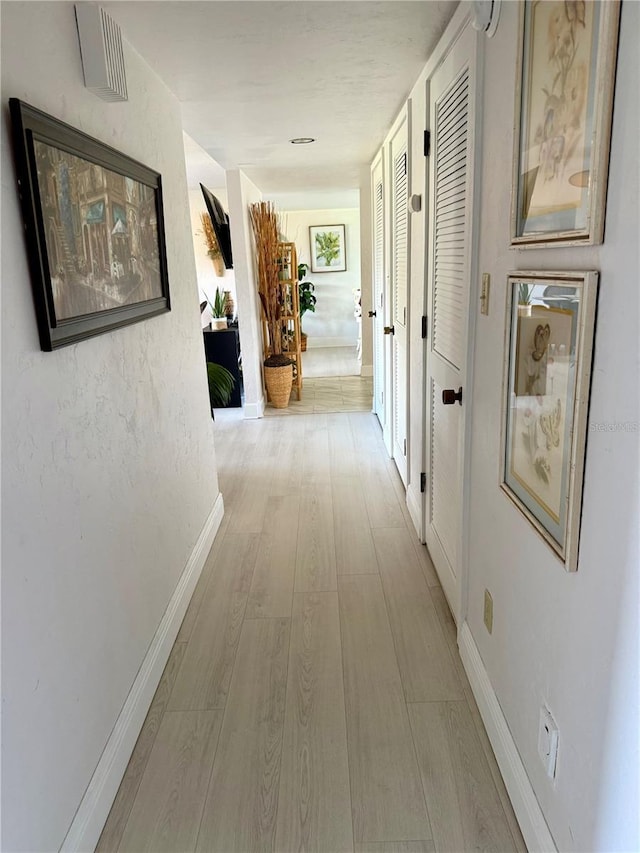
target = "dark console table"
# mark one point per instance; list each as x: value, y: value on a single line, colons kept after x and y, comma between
x: 223, y: 347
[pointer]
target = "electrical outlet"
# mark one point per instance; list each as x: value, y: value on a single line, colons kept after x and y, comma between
x: 484, y: 293
x: 548, y: 741
x: 488, y: 611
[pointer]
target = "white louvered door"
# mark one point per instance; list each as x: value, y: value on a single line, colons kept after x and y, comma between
x: 378, y: 195
x: 399, y: 164
x: 451, y: 121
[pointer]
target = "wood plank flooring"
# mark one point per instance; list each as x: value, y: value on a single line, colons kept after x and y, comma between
x: 315, y: 699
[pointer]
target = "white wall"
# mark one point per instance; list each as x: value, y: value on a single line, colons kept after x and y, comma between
x: 567, y: 640
x: 242, y: 193
x: 333, y: 323
x: 104, y: 490
x: 208, y: 281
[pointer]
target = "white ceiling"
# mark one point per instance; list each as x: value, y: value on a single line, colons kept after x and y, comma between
x: 252, y: 75
x: 201, y: 169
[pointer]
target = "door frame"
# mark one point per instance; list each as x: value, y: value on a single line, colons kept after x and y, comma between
x: 460, y: 21
x: 379, y: 343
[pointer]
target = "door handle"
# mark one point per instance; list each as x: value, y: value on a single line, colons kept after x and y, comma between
x: 372, y: 313
x: 389, y: 330
x: 449, y: 396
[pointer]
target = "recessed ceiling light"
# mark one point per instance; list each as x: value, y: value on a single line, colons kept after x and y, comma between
x: 302, y: 140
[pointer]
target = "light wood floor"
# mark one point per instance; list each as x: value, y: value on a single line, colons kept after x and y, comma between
x: 314, y: 699
x: 330, y: 361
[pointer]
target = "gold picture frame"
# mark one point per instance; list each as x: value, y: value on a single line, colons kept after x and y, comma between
x: 562, y: 134
x: 547, y: 372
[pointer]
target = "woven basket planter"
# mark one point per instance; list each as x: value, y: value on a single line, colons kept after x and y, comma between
x: 279, y: 381
x: 303, y: 342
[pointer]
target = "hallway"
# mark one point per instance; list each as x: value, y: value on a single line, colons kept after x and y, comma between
x: 314, y: 698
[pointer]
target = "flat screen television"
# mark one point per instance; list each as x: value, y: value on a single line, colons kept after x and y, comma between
x: 220, y: 222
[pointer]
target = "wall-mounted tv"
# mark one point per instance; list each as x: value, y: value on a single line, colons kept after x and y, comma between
x: 220, y: 222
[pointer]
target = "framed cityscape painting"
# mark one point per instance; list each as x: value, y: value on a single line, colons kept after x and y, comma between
x: 564, y: 106
x: 327, y: 244
x: 549, y: 345
x: 94, y: 230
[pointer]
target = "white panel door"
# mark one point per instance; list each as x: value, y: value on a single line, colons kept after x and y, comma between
x: 378, y: 196
x: 399, y: 166
x: 451, y: 119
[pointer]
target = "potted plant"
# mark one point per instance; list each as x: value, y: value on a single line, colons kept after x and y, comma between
x: 218, y: 311
x: 278, y: 367
x: 221, y: 384
x: 213, y: 249
x: 307, y: 299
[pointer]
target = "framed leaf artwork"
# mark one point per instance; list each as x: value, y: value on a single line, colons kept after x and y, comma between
x: 328, y: 250
x: 564, y: 106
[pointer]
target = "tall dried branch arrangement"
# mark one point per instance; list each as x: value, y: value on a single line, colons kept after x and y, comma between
x: 265, y: 224
x: 213, y: 249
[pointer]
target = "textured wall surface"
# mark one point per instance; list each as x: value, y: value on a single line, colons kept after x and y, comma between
x: 108, y: 461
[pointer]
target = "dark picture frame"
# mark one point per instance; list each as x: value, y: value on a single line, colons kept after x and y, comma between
x: 94, y: 230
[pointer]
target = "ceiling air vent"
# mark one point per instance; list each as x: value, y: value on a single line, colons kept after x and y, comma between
x: 101, y: 50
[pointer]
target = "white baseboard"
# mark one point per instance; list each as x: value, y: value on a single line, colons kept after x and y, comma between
x: 525, y: 804
x: 319, y: 343
x: 366, y: 370
x: 386, y: 438
x: 414, y: 505
x: 94, y: 808
x: 252, y: 411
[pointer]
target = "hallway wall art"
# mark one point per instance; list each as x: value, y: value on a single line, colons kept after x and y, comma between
x: 94, y: 230
x: 564, y: 106
x: 547, y: 375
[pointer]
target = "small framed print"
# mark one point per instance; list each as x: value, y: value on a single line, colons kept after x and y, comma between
x: 547, y: 374
x: 564, y: 106
x: 328, y: 251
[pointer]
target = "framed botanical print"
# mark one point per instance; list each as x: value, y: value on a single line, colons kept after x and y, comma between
x: 564, y: 105
x: 328, y: 251
x: 549, y: 345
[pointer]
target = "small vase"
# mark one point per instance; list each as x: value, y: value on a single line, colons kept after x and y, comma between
x: 229, y: 305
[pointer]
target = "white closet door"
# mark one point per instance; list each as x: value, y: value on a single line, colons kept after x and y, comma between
x: 399, y: 294
x: 451, y: 202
